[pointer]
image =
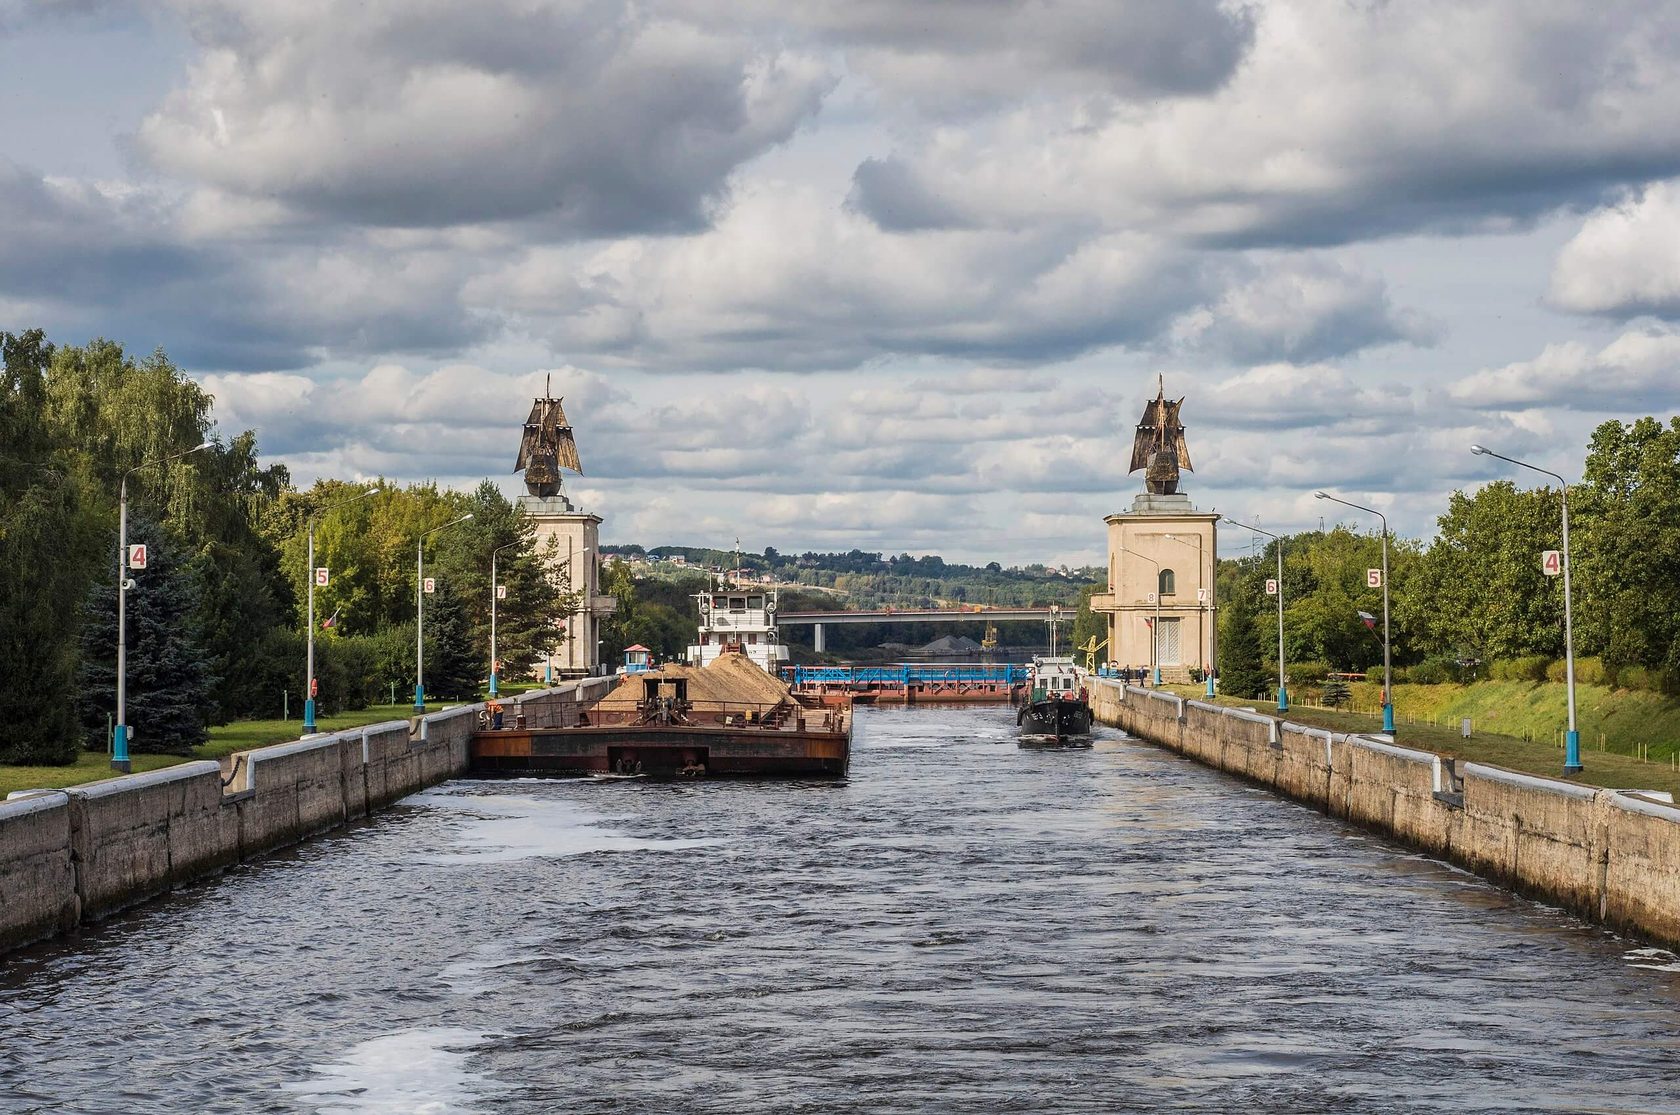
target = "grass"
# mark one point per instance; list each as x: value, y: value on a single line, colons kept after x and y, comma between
x: 1539, y: 756
x: 225, y: 739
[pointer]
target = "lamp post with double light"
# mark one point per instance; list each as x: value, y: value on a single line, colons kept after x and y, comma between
x: 420, y: 611
x: 1388, y: 666
x: 495, y: 594
x: 1155, y: 625
x: 1212, y: 602
x: 314, y: 579
x: 1282, y: 693
x: 1572, y: 740
x: 119, y: 733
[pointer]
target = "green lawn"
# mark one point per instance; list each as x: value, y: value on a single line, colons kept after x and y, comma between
x: 1541, y: 756
x: 241, y: 735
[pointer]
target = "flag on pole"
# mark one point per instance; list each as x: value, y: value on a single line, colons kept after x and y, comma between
x: 331, y: 621
x: 1370, y: 620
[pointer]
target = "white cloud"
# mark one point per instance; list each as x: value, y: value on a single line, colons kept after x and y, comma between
x: 1625, y: 260
x: 1641, y: 368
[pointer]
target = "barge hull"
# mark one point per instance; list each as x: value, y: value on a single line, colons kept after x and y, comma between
x: 661, y: 750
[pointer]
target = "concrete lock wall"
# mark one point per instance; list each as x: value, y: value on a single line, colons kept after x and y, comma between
x: 75, y: 855
x: 1610, y: 856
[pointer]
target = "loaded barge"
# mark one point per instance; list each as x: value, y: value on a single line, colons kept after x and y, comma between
x: 927, y: 683
x: 727, y: 718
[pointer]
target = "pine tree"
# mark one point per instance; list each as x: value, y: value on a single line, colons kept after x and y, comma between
x: 1241, y: 673
x: 169, y: 676
x: 456, y: 663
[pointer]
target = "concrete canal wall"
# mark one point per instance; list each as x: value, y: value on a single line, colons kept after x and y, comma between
x: 76, y: 855
x: 1610, y: 856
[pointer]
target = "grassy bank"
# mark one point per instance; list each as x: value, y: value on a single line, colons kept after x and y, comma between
x: 241, y: 735
x: 1537, y: 756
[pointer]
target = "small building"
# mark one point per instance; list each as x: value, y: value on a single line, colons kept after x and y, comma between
x: 637, y: 660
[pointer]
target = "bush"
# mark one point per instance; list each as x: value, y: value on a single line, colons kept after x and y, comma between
x: 1528, y: 668
x: 1308, y: 672
x: 1638, y: 677
x: 1593, y: 671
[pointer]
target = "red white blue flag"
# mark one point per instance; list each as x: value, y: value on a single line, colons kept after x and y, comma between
x: 1370, y: 620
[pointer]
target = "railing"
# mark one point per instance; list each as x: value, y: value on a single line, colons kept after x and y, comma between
x: 779, y: 716
x: 906, y: 674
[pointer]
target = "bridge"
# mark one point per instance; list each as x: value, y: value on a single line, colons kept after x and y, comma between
x: 820, y: 620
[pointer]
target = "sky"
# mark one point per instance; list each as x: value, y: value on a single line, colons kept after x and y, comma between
x: 851, y: 273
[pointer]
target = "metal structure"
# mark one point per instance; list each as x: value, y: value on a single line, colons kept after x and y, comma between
x: 908, y: 673
x: 1159, y: 448
x: 309, y: 654
x: 420, y: 611
x: 119, y: 731
x: 1388, y: 665
x: 1283, y: 692
x: 1572, y: 741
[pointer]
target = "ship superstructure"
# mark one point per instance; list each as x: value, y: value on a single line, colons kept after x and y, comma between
x: 735, y: 616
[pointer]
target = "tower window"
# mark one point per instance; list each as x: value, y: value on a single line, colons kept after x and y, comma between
x: 1169, y: 583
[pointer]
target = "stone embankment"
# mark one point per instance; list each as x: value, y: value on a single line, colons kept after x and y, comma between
x: 1610, y: 856
x: 76, y: 855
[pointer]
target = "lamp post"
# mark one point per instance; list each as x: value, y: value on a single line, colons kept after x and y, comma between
x: 1155, y: 627
x: 1388, y: 666
x: 420, y: 611
x: 1282, y: 694
x: 119, y: 733
x: 1213, y: 615
x: 1572, y: 740
x: 494, y: 592
x: 309, y: 663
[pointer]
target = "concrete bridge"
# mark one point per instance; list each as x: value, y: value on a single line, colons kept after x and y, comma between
x: 819, y: 620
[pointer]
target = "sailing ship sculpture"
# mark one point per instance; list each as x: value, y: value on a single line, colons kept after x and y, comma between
x: 1159, y: 447
x: 546, y: 447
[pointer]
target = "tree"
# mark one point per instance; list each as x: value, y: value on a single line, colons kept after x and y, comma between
x: 456, y: 663
x: 169, y: 677
x: 1241, y: 672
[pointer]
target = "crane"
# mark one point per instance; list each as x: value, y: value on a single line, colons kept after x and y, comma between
x: 1090, y: 648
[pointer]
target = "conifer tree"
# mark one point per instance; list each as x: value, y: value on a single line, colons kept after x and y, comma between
x: 455, y: 662
x: 169, y: 676
x: 1241, y: 673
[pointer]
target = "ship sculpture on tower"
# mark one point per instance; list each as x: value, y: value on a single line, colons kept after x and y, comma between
x: 546, y: 447
x: 1159, y: 447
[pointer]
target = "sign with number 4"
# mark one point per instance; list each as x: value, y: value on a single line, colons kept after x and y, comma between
x: 1551, y: 562
x: 137, y: 556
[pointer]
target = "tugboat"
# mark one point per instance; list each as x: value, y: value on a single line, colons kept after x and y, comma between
x: 1056, y: 711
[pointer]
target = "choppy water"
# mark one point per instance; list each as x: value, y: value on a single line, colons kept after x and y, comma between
x: 961, y: 926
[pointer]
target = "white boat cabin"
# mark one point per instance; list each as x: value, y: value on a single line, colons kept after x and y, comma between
x: 1056, y: 678
x: 738, y: 617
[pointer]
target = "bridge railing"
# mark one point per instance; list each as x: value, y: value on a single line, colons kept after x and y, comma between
x: 908, y: 673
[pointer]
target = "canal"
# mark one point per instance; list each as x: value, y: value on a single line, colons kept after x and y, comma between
x: 960, y: 926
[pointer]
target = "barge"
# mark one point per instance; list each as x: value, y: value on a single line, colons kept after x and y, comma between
x: 911, y: 683
x: 1057, y: 710
x: 725, y: 719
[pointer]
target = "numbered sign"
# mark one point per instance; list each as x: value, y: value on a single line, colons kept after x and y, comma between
x: 1201, y: 596
x: 137, y: 556
x: 1551, y: 562
x: 430, y: 586
x: 501, y: 592
x: 1373, y: 578
x: 1149, y: 598
x: 321, y: 577
x: 1271, y: 586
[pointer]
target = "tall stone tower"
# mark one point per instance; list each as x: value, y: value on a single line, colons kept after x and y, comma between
x: 1162, y: 558
x: 568, y: 537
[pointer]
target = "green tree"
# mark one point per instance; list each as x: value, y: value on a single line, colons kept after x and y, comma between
x: 1241, y: 671
x: 456, y: 663
x: 169, y: 677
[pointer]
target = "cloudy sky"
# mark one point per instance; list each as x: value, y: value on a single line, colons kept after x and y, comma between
x: 883, y: 274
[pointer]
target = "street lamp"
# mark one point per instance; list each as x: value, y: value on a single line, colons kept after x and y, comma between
x: 1388, y: 666
x: 1572, y: 741
x: 309, y: 665
x: 1155, y: 627
x: 1282, y: 694
x: 420, y: 611
x: 1213, y: 614
x: 119, y: 734
x: 494, y: 592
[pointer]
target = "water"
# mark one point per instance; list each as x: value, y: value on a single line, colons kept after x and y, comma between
x: 961, y: 926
